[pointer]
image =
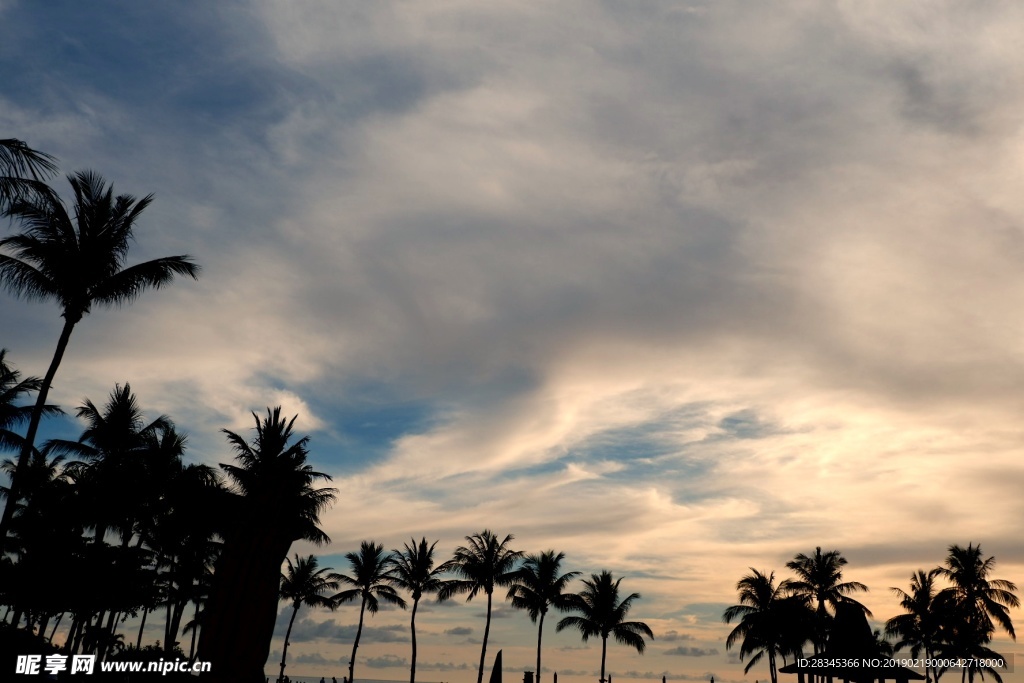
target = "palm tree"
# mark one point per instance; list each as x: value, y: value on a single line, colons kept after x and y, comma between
x: 22, y: 171
x: 42, y: 538
x: 772, y: 622
x: 304, y: 584
x: 538, y: 586
x: 371, y: 579
x: 111, y: 466
x: 975, y: 602
x: 482, y: 565
x: 603, y: 614
x: 78, y: 261
x: 918, y: 628
x: 275, y: 504
x: 412, y: 569
x: 819, y: 578
x: 13, y: 389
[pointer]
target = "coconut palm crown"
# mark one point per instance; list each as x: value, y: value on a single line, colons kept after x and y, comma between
x: 413, y: 569
x: 820, y: 580
x: 772, y: 622
x: 481, y: 565
x: 304, y: 583
x: 23, y: 171
x: 371, y: 582
x: 538, y: 587
x: 603, y: 614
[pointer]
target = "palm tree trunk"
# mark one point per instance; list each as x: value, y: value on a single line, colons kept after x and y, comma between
x: 43, y: 621
x: 14, y: 492
x: 604, y: 653
x: 243, y: 602
x: 355, y: 645
x: 179, y: 610
x: 138, y: 641
x: 195, y: 633
x: 54, y: 631
x: 483, y: 648
x: 540, y: 632
x: 412, y: 628
x: 287, y: 635
x: 771, y: 667
x: 167, y: 624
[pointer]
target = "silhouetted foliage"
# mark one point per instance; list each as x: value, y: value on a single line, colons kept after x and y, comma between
x: 773, y: 621
x: 77, y: 259
x: 483, y: 564
x: 304, y: 583
x: 412, y: 569
x: 538, y: 587
x: 602, y: 613
x: 275, y: 502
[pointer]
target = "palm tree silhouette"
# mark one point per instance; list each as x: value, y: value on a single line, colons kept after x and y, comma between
x: 276, y: 503
x: 771, y: 621
x: 975, y: 603
x: 413, y: 569
x: 919, y: 627
x: 304, y: 584
x: 77, y: 259
x: 603, y: 614
x: 371, y: 579
x: 482, y: 565
x: 182, y: 531
x: 23, y: 171
x: 819, y: 579
x: 13, y: 389
x: 43, y: 539
x: 111, y: 461
x: 538, y: 586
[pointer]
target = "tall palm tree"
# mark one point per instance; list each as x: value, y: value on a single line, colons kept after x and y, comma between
x: 22, y: 171
x: 371, y: 579
x: 483, y: 564
x: 413, y: 569
x: 919, y: 627
x: 539, y: 586
x: 601, y: 613
x: 305, y: 584
x: 275, y: 503
x: 772, y: 622
x: 77, y: 259
x: 819, y: 579
x: 975, y: 603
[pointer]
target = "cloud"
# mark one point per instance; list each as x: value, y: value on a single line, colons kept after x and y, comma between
x: 387, y: 661
x: 683, y: 651
x: 665, y: 287
x: 458, y: 631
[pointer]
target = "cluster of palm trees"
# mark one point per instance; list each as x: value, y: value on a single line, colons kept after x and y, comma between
x: 115, y: 524
x: 780, y: 619
x: 535, y: 583
x: 959, y: 620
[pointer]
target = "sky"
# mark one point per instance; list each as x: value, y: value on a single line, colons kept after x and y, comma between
x: 678, y: 288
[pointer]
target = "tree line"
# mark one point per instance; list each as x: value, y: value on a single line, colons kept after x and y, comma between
x: 951, y: 612
x: 535, y: 583
x: 116, y: 524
